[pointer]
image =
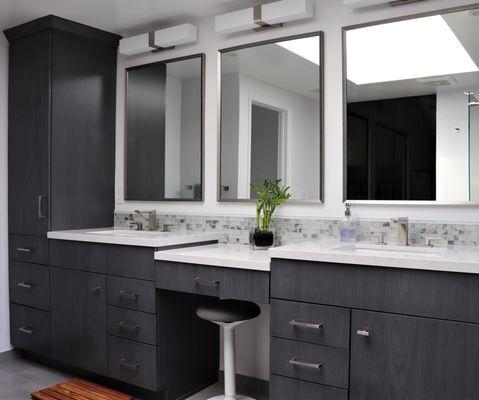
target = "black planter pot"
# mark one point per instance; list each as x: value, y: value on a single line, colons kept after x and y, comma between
x: 261, y: 239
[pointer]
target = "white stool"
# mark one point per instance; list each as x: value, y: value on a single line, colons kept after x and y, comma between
x: 229, y: 314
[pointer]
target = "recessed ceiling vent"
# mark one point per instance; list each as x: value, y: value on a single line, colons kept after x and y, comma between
x: 437, y: 81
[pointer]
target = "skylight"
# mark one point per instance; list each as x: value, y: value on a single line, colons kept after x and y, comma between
x: 410, y: 49
x: 307, y: 48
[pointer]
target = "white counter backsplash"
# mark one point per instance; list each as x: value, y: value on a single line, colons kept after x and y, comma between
x: 235, y: 230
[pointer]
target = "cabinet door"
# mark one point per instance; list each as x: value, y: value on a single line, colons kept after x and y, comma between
x: 79, y: 331
x: 412, y: 358
x: 29, y: 131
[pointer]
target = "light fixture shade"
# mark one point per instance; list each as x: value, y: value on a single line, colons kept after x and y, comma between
x: 273, y: 13
x: 135, y: 45
x: 162, y: 38
x: 364, y: 3
x: 176, y: 35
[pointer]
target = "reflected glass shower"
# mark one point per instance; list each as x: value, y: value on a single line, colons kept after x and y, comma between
x: 473, y: 132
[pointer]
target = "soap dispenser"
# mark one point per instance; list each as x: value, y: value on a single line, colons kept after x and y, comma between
x: 347, y: 230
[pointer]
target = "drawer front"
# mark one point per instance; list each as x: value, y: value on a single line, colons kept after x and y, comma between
x: 394, y: 290
x: 30, y: 329
x: 311, y: 362
x: 310, y: 323
x: 132, y: 294
x: 30, y: 284
x: 189, y: 278
x: 130, y: 324
x: 117, y: 260
x: 213, y: 281
x: 30, y: 249
x: 132, y: 362
x: 281, y: 388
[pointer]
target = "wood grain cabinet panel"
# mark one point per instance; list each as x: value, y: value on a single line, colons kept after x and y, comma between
x: 134, y: 325
x: 31, y: 249
x: 134, y: 294
x: 413, y: 358
x: 30, y: 284
x: 282, y: 388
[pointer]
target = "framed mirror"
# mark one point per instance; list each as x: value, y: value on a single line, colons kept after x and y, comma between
x: 164, y: 130
x: 411, y: 109
x: 272, y: 117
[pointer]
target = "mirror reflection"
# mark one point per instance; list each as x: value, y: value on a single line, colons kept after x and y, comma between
x: 271, y: 117
x: 412, y: 114
x: 164, y: 131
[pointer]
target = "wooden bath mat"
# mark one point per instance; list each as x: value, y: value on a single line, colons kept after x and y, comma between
x: 79, y: 389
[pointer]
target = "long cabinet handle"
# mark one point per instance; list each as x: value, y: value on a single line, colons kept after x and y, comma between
x: 297, y: 362
x: 25, y: 329
x: 127, y: 364
x: 208, y: 282
x: 24, y: 285
x: 129, y: 295
x: 24, y: 250
x: 40, y: 206
x: 309, y: 325
x: 125, y: 325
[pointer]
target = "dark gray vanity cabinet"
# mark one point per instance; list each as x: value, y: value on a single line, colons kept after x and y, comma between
x: 79, y: 319
x: 372, y: 333
x: 62, y: 90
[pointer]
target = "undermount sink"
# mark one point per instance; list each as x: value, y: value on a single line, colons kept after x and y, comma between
x: 129, y: 233
x: 392, y: 251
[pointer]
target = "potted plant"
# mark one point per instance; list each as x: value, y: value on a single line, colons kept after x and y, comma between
x: 270, y: 196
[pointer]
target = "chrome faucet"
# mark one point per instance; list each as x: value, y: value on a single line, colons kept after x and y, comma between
x: 152, y: 224
x: 403, y: 231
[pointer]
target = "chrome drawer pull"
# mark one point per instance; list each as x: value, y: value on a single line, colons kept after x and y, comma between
x: 125, y: 325
x: 24, y: 250
x: 297, y: 362
x: 24, y: 285
x: 40, y: 204
x: 26, y: 330
x: 129, y: 295
x: 362, y: 332
x: 125, y: 363
x: 308, y: 325
x: 201, y: 281
x: 96, y: 289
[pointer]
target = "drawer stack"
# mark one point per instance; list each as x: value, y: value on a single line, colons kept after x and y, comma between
x: 29, y: 277
x: 309, y: 348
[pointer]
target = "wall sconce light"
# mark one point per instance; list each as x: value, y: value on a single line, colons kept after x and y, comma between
x: 265, y: 16
x: 160, y: 40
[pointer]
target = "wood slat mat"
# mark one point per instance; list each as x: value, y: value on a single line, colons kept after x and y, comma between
x: 79, y: 389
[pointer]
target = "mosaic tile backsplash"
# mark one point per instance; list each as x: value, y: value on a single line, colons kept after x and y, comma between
x: 291, y: 230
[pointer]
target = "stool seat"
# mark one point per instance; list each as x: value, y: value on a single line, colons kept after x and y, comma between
x: 228, y: 311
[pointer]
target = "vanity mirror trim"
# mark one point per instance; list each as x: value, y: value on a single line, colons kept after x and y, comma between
x: 320, y: 34
x: 202, y: 58
x: 344, y: 30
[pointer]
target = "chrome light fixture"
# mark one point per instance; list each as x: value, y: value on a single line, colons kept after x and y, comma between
x: 162, y: 39
x: 265, y: 16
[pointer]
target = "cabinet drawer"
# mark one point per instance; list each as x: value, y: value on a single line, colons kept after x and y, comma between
x: 213, y: 281
x: 131, y: 324
x: 132, y: 362
x: 310, y: 323
x: 117, y: 260
x: 132, y: 293
x: 30, y: 284
x: 281, y: 388
x: 30, y: 329
x: 29, y: 249
x: 393, y: 290
x: 311, y: 362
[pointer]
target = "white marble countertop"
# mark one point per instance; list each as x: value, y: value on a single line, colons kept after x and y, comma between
x: 133, y: 238
x: 219, y: 255
x: 449, y: 259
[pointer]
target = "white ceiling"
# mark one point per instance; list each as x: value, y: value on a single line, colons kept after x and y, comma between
x: 119, y: 16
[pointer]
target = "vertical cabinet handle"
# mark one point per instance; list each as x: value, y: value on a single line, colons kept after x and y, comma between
x: 40, y: 206
x: 297, y: 362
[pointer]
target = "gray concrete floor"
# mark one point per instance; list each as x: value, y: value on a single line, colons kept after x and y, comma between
x: 19, y: 377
